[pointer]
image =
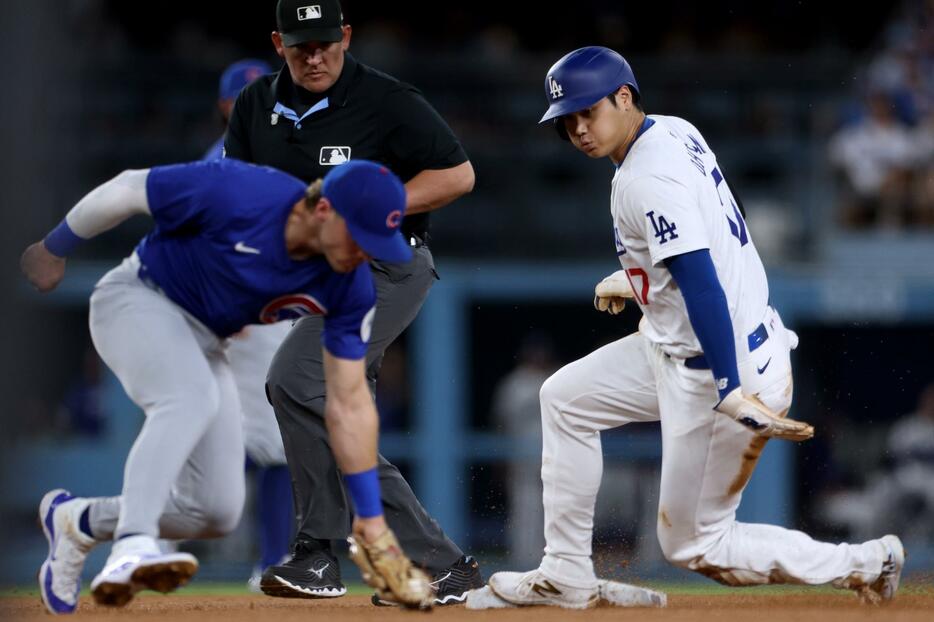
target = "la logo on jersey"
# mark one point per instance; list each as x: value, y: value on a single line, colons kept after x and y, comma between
x: 291, y: 307
x: 663, y: 231
x: 309, y: 12
x: 555, y: 88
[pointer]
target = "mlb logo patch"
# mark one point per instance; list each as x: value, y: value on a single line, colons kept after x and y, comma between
x: 332, y: 155
x: 309, y: 12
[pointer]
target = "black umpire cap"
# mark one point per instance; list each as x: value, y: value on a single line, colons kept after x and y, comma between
x: 300, y: 21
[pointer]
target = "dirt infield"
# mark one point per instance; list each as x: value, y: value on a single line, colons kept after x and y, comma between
x: 915, y: 606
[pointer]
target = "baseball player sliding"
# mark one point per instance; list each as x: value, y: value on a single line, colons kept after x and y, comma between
x: 710, y: 361
x: 234, y: 244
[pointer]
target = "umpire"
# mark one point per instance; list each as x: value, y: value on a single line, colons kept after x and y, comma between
x: 322, y: 109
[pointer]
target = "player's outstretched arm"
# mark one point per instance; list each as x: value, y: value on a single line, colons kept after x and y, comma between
x: 706, y: 304
x: 611, y: 293
x: 350, y: 416
x: 103, y: 208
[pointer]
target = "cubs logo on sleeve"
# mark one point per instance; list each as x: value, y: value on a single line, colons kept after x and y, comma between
x: 291, y: 307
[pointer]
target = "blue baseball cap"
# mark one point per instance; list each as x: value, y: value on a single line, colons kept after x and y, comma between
x: 371, y: 199
x: 239, y: 74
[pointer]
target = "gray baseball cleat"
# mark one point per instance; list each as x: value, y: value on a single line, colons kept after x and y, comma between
x: 135, y: 564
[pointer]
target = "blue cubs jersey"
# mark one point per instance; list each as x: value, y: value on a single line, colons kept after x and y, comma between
x: 218, y: 251
x: 216, y: 151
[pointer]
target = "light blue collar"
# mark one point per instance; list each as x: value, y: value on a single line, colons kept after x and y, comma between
x: 291, y: 115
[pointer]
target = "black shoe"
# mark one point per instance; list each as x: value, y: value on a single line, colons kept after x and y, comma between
x: 311, y: 573
x: 450, y: 585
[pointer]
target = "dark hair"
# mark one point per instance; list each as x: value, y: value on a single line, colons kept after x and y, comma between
x: 636, y: 98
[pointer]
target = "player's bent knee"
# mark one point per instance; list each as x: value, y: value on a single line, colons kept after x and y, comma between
x: 200, y: 401
x: 553, y: 390
x: 678, y: 550
x: 224, y: 515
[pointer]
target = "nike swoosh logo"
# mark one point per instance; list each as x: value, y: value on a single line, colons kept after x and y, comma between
x: 761, y: 370
x: 240, y: 247
x: 320, y: 571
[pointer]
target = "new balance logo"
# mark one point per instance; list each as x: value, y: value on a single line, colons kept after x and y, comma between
x: 545, y: 589
x: 555, y: 88
x: 240, y: 247
x: 320, y: 571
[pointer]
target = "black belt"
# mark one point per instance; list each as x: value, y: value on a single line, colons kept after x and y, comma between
x: 756, y: 338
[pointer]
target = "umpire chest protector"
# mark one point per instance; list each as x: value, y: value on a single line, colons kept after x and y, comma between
x: 366, y: 114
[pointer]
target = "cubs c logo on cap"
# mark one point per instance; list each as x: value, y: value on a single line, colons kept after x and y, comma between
x: 393, y: 219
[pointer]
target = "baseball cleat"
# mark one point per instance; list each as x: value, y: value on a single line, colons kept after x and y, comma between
x: 450, y: 586
x: 533, y: 588
x: 135, y: 564
x: 60, y: 573
x: 883, y: 589
x: 311, y: 572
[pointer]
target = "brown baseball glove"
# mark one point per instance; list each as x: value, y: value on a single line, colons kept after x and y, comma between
x: 386, y: 568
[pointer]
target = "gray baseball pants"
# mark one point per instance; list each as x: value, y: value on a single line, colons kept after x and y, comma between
x: 296, y: 389
x: 184, y: 475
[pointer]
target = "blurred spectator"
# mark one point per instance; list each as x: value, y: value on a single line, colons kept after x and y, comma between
x: 874, y: 157
x: 886, y: 156
x: 899, y: 498
x: 517, y: 413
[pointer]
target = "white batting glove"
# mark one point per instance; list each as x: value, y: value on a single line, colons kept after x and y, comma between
x: 611, y: 293
x: 748, y: 411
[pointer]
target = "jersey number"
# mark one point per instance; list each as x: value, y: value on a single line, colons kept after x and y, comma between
x: 641, y: 293
x: 737, y: 227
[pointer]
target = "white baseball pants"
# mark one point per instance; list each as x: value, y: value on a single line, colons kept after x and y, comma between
x: 184, y: 475
x: 707, y: 461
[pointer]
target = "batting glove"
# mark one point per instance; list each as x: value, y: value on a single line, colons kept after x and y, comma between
x: 748, y: 411
x: 611, y: 293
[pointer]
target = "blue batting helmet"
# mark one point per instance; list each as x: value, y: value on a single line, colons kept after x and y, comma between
x: 583, y: 77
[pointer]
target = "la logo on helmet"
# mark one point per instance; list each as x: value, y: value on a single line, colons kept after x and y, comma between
x: 556, y: 90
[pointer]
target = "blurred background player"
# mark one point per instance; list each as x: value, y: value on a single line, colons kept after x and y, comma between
x: 232, y: 80
x: 250, y: 352
x: 517, y: 412
x: 234, y: 244
x: 322, y: 109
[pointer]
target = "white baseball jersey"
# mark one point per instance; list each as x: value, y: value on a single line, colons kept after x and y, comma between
x: 669, y: 198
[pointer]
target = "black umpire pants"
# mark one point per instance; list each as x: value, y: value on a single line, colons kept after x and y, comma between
x: 295, y: 387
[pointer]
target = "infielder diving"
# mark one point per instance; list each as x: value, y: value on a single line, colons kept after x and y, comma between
x: 710, y: 361
x: 234, y: 244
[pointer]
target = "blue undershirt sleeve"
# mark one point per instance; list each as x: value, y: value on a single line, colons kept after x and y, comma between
x: 707, y: 308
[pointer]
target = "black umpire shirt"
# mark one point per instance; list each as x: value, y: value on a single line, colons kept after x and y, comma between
x: 366, y: 114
